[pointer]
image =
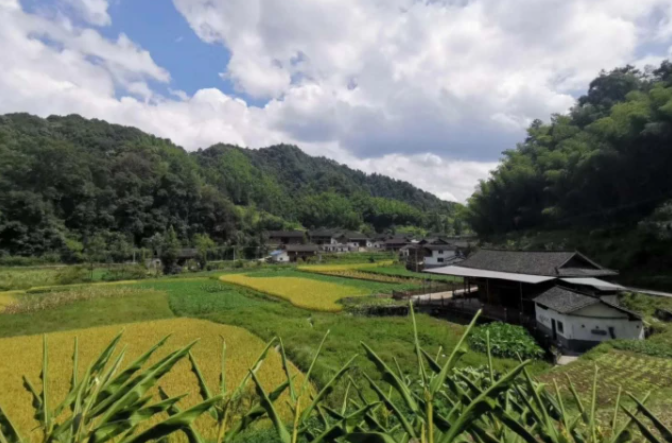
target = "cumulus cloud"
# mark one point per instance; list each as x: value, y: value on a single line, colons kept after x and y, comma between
x: 425, y: 91
x: 458, y: 79
x: 92, y: 11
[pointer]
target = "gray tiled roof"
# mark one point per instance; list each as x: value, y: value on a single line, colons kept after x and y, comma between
x: 297, y: 234
x: 302, y: 248
x: 565, y: 300
x: 535, y: 263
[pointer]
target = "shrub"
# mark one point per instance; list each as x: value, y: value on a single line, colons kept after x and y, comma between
x: 73, y: 274
x: 506, y: 340
x: 646, y: 347
x: 127, y: 272
x: 15, y: 260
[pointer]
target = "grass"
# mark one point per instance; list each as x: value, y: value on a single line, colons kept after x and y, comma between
x: 302, y: 331
x: 342, y: 267
x: 198, y: 297
x: 7, y: 298
x: 361, y: 275
x: 31, y: 302
x: 242, y: 350
x: 401, y: 271
x: 25, y: 278
x: 309, y: 290
x: 144, y: 306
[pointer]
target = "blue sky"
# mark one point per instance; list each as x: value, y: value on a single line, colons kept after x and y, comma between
x: 158, y: 27
x: 427, y: 92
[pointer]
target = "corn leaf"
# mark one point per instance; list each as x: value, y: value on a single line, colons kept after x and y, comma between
x: 665, y: 432
x: 369, y: 437
x: 267, y: 404
x: 328, y: 388
x: 391, y: 378
x: 174, y: 423
x: 438, y: 381
x: 8, y: 431
x: 485, y: 402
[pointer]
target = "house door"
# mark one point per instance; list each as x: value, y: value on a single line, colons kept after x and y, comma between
x: 555, y: 332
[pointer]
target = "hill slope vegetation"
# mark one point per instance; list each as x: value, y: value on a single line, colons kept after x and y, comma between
x: 66, y: 180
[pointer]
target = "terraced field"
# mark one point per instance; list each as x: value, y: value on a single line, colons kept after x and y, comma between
x: 301, y: 292
x: 343, y: 267
x: 242, y: 350
x: 635, y: 373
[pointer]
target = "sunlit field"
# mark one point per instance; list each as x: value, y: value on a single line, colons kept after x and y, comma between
x: 243, y: 348
x: 302, y: 292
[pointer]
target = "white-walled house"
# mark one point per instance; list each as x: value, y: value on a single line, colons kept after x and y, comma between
x: 431, y: 256
x: 578, y: 321
x: 440, y: 255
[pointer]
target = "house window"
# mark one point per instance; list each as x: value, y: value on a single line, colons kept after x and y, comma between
x: 561, y: 327
x: 440, y: 260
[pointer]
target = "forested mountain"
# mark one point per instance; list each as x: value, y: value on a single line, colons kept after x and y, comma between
x: 609, y: 160
x: 597, y: 179
x: 67, y: 180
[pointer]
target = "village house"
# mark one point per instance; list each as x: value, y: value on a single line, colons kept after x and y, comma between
x: 509, y: 285
x: 287, y: 237
x: 577, y: 321
x: 324, y: 236
x: 355, y: 241
x: 292, y: 253
x: 424, y: 256
x: 396, y: 243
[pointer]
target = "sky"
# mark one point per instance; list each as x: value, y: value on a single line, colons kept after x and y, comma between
x: 427, y: 91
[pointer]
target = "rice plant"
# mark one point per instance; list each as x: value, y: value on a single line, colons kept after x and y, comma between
x: 106, y: 403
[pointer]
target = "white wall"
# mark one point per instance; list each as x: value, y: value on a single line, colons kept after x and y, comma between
x: 435, y: 259
x: 581, y: 324
x: 283, y: 258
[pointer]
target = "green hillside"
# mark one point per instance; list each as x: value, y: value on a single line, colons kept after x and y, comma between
x: 595, y: 179
x: 67, y: 180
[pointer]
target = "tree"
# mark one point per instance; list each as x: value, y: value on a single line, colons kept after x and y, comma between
x: 170, y: 250
x: 204, y: 245
x: 119, y: 247
x: 95, y: 250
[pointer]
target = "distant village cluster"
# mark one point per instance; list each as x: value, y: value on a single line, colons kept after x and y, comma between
x: 426, y: 252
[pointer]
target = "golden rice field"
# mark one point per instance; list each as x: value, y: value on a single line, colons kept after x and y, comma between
x: 302, y: 292
x: 343, y: 267
x: 7, y: 298
x: 243, y: 348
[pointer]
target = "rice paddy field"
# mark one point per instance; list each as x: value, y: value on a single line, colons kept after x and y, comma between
x: 401, y: 271
x: 301, y: 292
x: 243, y: 348
x: 343, y: 267
x: 253, y: 306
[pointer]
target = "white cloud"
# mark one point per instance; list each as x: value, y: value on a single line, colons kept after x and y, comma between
x: 459, y: 79
x: 92, y: 11
x: 430, y: 92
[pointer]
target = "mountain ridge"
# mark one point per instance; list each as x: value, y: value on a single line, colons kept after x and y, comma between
x: 66, y: 179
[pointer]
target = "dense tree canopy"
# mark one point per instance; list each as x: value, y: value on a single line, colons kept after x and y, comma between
x: 607, y: 160
x: 69, y: 182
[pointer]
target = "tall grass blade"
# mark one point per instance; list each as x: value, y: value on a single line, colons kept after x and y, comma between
x: 328, y: 388
x: 267, y: 404
x: 485, y: 402
x: 439, y: 380
x: 8, y: 431
x: 288, y: 374
x: 391, y: 378
x: 665, y: 432
x: 174, y: 423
